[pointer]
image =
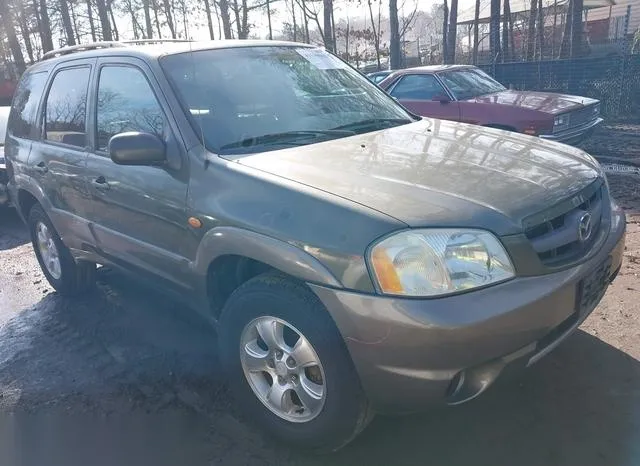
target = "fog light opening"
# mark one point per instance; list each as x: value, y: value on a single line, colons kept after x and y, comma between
x: 455, y: 385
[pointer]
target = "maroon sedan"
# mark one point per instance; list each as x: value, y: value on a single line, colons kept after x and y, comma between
x: 465, y: 93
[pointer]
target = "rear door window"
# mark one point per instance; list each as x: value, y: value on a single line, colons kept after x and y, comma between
x: 417, y: 87
x: 66, y: 107
x: 23, y: 118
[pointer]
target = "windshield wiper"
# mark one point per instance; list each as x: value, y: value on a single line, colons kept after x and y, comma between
x: 287, y: 137
x: 373, y: 123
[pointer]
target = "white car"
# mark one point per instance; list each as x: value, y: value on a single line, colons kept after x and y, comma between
x: 4, y: 118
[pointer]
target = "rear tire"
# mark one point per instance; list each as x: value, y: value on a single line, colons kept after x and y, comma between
x: 65, y: 275
x: 328, y: 424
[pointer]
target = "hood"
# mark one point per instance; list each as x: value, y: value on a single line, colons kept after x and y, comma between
x: 438, y: 173
x: 547, y: 102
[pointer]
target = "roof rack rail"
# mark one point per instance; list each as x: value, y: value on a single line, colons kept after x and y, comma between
x: 152, y: 41
x: 80, y: 48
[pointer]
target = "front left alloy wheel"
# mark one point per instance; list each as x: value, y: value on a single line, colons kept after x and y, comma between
x: 288, y: 366
x: 64, y: 274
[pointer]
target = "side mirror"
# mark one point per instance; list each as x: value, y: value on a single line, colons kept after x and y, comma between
x: 135, y: 148
x: 443, y: 99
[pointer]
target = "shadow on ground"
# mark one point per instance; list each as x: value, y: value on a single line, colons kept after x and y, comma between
x: 12, y: 231
x: 126, y: 376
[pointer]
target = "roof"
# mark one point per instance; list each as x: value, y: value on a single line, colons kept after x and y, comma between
x: 151, y: 49
x: 520, y: 6
x: 437, y: 68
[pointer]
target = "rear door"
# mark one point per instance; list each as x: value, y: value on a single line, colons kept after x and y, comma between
x: 416, y: 92
x: 138, y: 213
x: 58, y: 157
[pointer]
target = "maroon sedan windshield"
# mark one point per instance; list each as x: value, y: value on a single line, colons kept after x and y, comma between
x: 468, y: 83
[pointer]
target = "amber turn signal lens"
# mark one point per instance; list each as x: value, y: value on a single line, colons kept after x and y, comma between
x: 385, y: 272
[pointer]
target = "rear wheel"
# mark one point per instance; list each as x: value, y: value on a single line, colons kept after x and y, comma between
x: 288, y: 366
x: 58, y: 265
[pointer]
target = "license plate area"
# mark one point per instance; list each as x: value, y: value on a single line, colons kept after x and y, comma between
x: 592, y: 288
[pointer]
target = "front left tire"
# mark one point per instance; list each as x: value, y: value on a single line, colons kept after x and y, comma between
x: 65, y: 275
x: 288, y: 367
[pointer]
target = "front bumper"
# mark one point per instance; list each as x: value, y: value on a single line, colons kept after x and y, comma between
x: 415, y: 353
x: 574, y: 135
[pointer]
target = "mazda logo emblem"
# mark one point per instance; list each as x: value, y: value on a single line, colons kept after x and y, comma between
x: 585, y: 227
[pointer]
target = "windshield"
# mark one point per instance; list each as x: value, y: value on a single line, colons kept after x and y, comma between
x: 250, y: 99
x: 468, y: 83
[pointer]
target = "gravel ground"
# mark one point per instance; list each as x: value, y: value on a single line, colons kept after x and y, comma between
x: 128, y: 377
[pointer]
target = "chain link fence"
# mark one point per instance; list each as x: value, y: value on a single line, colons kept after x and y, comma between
x: 614, y: 80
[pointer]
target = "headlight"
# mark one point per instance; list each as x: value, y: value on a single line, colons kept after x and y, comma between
x: 438, y: 261
x: 561, y: 122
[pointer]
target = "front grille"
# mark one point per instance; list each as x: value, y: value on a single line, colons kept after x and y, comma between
x: 556, y: 234
x: 583, y: 116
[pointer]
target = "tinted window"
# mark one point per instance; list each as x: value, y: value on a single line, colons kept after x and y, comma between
x: 66, y: 107
x: 126, y: 103
x: 23, y: 118
x: 417, y: 87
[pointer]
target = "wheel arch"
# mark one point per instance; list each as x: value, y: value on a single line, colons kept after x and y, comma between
x: 229, y: 256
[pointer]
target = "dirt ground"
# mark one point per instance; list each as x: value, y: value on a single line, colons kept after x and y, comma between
x: 127, y: 377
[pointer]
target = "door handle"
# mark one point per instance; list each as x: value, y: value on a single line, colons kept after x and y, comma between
x: 41, y: 167
x: 101, y: 183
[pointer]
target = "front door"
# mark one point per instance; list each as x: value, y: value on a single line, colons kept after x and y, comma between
x: 416, y: 92
x: 138, y: 213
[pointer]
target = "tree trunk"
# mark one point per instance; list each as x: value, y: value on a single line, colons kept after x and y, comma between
x: 531, y: 29
x: 14, y: 45
x: 74, y: 21
x: 577, y: 42
x: 147, y: 19
x: 269, y: 20
x: 45, y: 28
x: 305, y: 20
x: 394, y: 31
x: 476, y: 33
x: 494, y: 31
x: 169, y: 14
x: 92, y: 25
x: 376, y: 34
x: 66, y: 22
x: 453, y: 30
x: 226, y: 19
x: 245, y: 20
x: 103, y: 15
x: 540, y: 46
x: 445, y: 27
x: 156, y: 18
x: 114, y: 26
x: 293, y: 17
x: 24, y: 30
x: 328, y: 34
x: 506, y: 53
x: 346, y: 40
x: 334, y: 41
x: 236, y: 14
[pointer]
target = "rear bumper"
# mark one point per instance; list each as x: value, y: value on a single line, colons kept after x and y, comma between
x: 574, y: 135
x: 415, y: 353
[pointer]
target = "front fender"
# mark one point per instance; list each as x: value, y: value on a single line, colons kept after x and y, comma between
x: 223, y: 241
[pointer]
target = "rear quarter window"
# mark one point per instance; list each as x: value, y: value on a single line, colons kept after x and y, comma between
x: 23, y: 117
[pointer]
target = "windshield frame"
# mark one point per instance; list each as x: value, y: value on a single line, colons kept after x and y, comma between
x: 365, y: 84
x: 473, y: 70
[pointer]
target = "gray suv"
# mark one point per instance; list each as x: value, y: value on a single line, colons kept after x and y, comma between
x: 354, y: 258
